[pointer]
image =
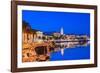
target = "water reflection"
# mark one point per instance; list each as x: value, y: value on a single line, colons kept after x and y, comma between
x: 70, y: 50
x: 58, y: 45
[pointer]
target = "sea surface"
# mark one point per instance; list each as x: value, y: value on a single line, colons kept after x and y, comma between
x: 76, y: 53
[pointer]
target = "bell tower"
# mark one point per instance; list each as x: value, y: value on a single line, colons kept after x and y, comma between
x: 61, y: 31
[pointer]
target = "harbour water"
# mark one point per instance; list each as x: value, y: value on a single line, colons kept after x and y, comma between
x: 76, y: 53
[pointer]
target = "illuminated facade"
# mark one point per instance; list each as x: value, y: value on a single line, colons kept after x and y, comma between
x: 33, y: 49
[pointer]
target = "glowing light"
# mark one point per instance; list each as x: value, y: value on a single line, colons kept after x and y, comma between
x: 62, y: 51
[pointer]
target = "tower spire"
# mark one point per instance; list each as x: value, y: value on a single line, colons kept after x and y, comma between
x: 62, y: 31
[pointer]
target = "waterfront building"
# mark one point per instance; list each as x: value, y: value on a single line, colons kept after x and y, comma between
x: 39, y: 34
x: 56, y: 34
x: 28, y: 34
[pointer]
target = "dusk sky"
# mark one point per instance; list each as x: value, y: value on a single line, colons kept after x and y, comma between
x: 47, y: 21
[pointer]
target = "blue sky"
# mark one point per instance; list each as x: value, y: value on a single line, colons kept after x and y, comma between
x: 47, y: 21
